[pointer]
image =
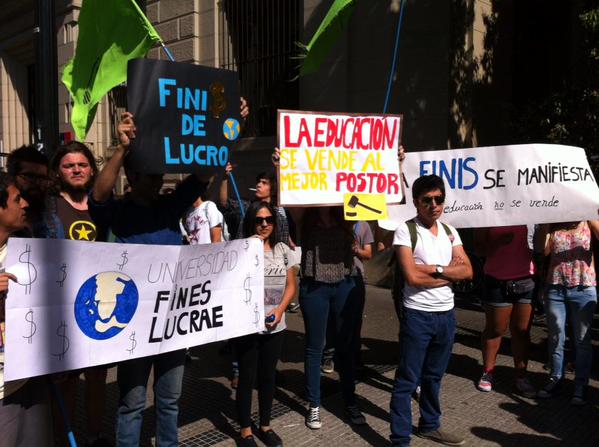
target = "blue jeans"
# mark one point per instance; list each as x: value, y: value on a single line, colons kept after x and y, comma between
x: 132, y: 377
x: 341, y: 299
x: 579, y: 303
x: 329, y: 347
x: 425, y: 343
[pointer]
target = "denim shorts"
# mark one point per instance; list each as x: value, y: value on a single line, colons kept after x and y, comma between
x: 500, y: 293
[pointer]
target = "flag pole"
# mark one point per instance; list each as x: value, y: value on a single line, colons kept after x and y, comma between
x: 64, y: 412
x: 241, y: 208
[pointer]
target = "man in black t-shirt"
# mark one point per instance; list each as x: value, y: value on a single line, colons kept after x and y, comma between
x: 73, y: 170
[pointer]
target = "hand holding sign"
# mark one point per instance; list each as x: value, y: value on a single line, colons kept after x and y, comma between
x: 126, y: 129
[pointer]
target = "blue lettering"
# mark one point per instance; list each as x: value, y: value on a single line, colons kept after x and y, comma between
x: 186, y: 156
x: 211, y: 156
x: 169, y: 160
x: 163, y: 92
x: 471, y: 170
x: 186, y: 124
x: 423, y: 170
x: 193, y: 124
x: 199, y: 159
x: 445, y: 172
x: 193, y: 97
x: 223, y: 156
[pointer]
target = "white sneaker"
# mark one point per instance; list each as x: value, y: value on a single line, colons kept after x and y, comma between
x: 313, y: 418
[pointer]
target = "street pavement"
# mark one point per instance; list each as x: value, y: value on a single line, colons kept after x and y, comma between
x: 499, y: 418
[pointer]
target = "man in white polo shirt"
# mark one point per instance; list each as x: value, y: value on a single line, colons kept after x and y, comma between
x: 431, y: 257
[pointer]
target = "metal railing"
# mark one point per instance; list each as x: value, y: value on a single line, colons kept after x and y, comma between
x: 257, y: 39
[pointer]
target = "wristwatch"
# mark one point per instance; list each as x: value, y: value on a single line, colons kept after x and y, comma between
x: 438, y: 271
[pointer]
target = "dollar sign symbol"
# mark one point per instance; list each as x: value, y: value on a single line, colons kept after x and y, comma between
x: 133, y: 342
x: 31, y: 270
x: 61, y: 333
x: 246, y: 287
x: 257, y: 261
x: 32, y: 326
x: 125, y: 260
x: 219, y: 103
x: 256, y: 314
x: 63, y: 269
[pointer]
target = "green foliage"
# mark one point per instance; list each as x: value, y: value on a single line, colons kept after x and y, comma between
x: 571, y: 114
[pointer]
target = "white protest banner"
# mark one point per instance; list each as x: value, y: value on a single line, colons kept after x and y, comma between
x: 79, y: 304
x: 326, y: 155
x: 505, y: 185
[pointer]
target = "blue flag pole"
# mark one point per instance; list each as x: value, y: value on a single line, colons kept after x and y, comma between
x: 395, y: 50
x: 63, y: 411
x: 241, y: 209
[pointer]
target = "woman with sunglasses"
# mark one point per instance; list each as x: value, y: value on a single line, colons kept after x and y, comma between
x: 259, y: 353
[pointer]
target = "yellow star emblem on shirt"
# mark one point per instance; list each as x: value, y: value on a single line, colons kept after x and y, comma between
x: 81, y: 230
x: 83, y: 233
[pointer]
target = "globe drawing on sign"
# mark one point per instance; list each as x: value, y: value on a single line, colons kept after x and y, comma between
x: 105, y: 304
x: 231, y: 129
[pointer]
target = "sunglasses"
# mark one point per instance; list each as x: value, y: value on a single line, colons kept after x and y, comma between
x: 428, y: 200
x: 268, y: 219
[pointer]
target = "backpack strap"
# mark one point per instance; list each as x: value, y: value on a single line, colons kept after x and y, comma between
x: 413, y: 233
x: 448, y: 232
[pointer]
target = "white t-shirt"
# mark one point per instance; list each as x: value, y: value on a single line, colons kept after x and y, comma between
x: 429, y: 250
x: 198, y: 222
x: 276, y: 263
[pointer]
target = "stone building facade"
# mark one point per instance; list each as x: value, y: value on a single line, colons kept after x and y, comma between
x: 458, y: 74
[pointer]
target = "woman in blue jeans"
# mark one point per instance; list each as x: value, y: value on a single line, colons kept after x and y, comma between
x: 328, y: 285
x: 571, y: 292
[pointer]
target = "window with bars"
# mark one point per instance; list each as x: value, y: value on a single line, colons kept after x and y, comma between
x: 258, y: 40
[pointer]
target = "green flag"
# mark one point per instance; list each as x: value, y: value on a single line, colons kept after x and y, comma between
x: 111, y: 32
x: 326, y: 35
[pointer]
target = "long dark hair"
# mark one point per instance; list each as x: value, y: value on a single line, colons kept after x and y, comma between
x: 249, y: 221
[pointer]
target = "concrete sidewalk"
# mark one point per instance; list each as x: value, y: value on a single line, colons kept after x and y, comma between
x: 500, y: 418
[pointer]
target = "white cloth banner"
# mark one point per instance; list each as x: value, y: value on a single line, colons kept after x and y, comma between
x: 326, y: 155
x: 80, y: 304
x: 505, y: 185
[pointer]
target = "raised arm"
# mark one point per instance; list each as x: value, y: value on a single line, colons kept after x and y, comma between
x: 109, y: 174
x: 223, y: 192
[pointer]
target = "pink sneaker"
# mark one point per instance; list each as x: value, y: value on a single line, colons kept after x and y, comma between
x: 486, y: 382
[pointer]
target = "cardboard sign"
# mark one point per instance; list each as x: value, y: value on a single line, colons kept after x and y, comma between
x: 187, y: 116
x: 79, y: 304
x: 505, y: 185
x: 326, y: 155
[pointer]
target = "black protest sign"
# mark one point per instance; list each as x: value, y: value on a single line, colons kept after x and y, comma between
x: 187, y: 116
